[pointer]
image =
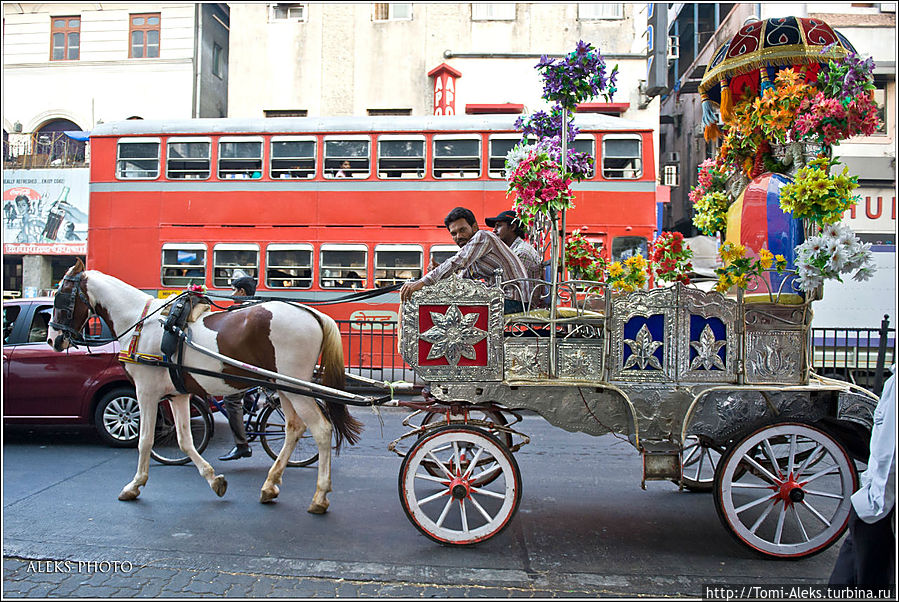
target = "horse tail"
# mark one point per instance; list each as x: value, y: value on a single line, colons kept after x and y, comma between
x: 345, y: 426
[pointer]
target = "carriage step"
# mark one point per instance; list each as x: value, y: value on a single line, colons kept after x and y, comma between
x: 661, y: 461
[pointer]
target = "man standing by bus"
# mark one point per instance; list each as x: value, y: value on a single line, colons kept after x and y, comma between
x: 480, y: 253
x: 507, y: 226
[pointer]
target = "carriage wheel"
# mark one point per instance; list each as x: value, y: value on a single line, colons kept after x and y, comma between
x: 434, y: 418
x: 699, y: 460
x: 271, y: 435
x: 784, y: 490
x: 476, y: 494
x: 165, y: 440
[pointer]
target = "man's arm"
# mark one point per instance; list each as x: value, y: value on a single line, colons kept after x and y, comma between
x: 464, y: 257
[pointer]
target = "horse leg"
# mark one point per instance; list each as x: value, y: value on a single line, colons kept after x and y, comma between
x: 148, y: 406
x: 181, y: 411
x: 292, y: 430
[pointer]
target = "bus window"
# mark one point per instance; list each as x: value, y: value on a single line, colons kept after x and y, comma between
x: 240, y: 158
x: 440, y: 253
x: 395, y: 264
x: 401, y: 157
x: 621, y: 156
x: 188, y: 158
x: 343, y: 266
x: 183, y: 264
x: 457, y: 156
x: 229, y: 259
x: 292, y: 157
x: 499, y: 147
x: 347, y: 157
x: 585, y: 143
x: 628, y: 246
x: 288, y: 266
x: 137, y: 159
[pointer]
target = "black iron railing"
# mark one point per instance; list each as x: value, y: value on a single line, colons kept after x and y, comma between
x: 858, y: 355
x: 371, y: 350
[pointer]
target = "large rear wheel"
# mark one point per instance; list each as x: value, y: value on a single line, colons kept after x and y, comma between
x: 784, y: 490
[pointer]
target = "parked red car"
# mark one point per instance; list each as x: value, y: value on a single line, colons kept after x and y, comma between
x: 85, y: 386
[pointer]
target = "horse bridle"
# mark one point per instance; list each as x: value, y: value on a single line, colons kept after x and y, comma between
x: 64, y: 304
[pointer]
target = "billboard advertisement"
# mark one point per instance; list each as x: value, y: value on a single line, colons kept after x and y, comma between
x: 45, y: 211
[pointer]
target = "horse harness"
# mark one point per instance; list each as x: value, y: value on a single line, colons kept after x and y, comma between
x: 64, y: 303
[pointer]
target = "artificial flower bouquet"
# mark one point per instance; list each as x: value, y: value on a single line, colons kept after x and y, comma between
x: 670, y: 258
x: 629, y: 275
x: 741, y: 270
x: 540, y: 185
x: 833, y: 252
x: 583, y: 259
x: 817, y: 195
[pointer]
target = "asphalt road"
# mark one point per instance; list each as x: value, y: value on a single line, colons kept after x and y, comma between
x: 584, y: 528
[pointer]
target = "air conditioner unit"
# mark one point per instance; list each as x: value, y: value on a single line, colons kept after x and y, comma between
x: 672, y: 157
x: 673, y: 47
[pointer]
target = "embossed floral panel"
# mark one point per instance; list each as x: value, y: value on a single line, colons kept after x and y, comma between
x: 452, y: 335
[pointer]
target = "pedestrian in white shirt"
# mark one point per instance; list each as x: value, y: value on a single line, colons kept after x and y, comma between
x: 868, y: 555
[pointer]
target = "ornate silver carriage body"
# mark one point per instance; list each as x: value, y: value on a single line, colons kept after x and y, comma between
x: 651, y: 365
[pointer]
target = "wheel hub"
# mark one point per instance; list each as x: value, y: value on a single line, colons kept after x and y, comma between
x: 459, y: 488
x: 789, y: 491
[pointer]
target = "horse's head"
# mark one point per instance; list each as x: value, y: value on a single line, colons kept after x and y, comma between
x: 71, y: 308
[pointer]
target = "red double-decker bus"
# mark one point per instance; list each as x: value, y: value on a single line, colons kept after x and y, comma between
x: 314, y: 208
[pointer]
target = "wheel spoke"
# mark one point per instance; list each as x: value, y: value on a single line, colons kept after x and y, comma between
x: 758, y: 522
x: 778, y: 533
x: 816, y: 513
x: 799, y: 522
x: 449, y: 502
x: 464, y: 515
x: 750, y: 486
x: 483, y: 512
x: 752, y: 462
x: 440, y: 464
x: 456, y: 458
x: 486, y: 473
x: 488, y: 493
x: 474, y: 462
x: 812, y: 458
x: 835, y: 496
x: 427, y: 477
x: 753, y: 504
x: 770, y: 453
x: 692, y: 452
x: 820, y: 474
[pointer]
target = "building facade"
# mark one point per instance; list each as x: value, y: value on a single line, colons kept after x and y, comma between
x: 69, y: 66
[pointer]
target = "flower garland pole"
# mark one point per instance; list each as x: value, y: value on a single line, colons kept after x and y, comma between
x: 577, y: 77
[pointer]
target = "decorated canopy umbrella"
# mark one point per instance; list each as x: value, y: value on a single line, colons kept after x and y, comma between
x: 750, y: 60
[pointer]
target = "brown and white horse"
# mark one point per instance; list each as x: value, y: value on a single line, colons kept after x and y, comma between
x: 278, y: 337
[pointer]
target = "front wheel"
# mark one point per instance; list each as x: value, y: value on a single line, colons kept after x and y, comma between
x: 117, y: 417
x: 476, y: 494
x: 784, y: 490
x: 271, y: 434
x: 165, y: 439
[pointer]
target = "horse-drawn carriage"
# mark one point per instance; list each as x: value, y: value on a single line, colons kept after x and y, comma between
x: 686, y: 375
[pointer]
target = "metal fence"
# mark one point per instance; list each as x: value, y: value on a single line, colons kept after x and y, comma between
x: 372, y: 351
x: 858, y: 355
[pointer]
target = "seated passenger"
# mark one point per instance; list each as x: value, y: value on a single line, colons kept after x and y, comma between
x: 507, y: 226
x: 480, y: 253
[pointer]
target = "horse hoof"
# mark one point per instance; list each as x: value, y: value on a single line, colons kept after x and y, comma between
x: 269, y: 495
x: 129, y: 495
x: 219, y: 485
x: 318, y: 508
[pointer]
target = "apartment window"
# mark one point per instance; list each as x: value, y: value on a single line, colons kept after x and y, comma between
x: 183, y: 264
x: 188, y: 158
x: 217, y: 61
x: 287, y: 12
x: 65, y: 37
x: 231, y: 260
x: 144, y: 32
x: 440, y: 253
x: 288, y: 266
x: 137, y: 158
x: 343, y: 266
x: 293, y: 157
x: 880, y: 97
x: 401, y: 157
x: 600, y: 10
x: 388, y: 112
x: 622, y: 157
x: 670, y: 175
x: 240, y: 158
x: 391, y: 11
x: 285, y: 112
x: 395, y: 264
x: 586, y: 143
x: 347, y: 157
x: 492, y: 12
x: 457, y: 156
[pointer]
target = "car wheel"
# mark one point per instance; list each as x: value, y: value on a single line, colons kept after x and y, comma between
x: 117, y: 418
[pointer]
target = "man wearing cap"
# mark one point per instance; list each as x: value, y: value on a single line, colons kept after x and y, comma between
x: 480, y: 253
x: 243, y: 286
x: 507, y: 226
